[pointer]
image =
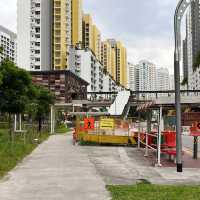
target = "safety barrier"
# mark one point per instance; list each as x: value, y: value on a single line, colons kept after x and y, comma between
x: 104, y: 131
x: 167, y: 146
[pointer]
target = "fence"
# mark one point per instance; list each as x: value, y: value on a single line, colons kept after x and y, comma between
x: 105, y: 131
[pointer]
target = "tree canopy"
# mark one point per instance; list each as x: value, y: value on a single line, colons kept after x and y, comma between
x: 15, y: 89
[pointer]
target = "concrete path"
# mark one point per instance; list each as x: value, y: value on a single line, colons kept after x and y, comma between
x: 56, y: 170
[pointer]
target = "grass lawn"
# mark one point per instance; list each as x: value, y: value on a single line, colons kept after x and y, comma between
x: 154, y: 192
x: 62, y: 129
x: 11, y: 154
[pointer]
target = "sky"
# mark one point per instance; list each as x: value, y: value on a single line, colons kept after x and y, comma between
x: 144, y: 26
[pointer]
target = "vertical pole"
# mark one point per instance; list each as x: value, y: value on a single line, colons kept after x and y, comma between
x: 139, y: 130
x: 159, y: 139
x: 195, y: 153
x: 51, y: 120
x: 15, y: 123
x: 178, y: 114
x: 148, y: 132
x: 54, y: 115
x: 20, y: 122
x: 146, y: 148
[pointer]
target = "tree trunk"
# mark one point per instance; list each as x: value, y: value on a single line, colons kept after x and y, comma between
x: 40, y: 124
x: 10, y: 127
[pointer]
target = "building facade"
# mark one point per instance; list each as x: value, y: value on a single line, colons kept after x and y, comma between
x: 8, y: 43
x: 131, y: 77
x: 191, y: 46
x: 96, y: 44
x: 46, y: 31
x: 77, y: 22
x: 65, y: 85
x: 120, y: 62
x: 87, y: 31
x: 162, y: 79
x: 146, y: 76
x: 61, y: 33
x: 90, y: 69
x: 108, y: 58
x: 34, y: 34
x: 53, y: 34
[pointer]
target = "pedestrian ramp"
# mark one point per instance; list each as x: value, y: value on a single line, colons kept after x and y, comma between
x: 117, y: 108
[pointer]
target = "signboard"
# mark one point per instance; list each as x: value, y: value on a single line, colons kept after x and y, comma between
x: 107, y: 124
x: 89, y: 123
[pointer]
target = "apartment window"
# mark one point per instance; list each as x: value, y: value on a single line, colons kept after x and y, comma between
x: 37, y: 44
x: 37, y: 12
x: 37, y: 67
x: 37, y: 51
x: 37, y: 5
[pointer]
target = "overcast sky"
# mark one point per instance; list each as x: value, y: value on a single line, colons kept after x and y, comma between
x: 144, y: 26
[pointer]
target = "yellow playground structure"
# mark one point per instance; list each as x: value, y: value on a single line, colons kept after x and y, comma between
x: 103, y: 130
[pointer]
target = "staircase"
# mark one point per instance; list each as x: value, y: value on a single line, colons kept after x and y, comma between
x: 121, y: 101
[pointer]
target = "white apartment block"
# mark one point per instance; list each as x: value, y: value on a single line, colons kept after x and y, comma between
x: 34, y: 34
x: 109, y: 85
x: 88, y: 68
x: 8, y: 41
x: 146, y: 76
x: 191, y: 82
x: 85, y: 64
x: 162, y: 79
x: 131, y: 76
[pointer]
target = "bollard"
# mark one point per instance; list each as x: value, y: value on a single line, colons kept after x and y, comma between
x: 195, y: 153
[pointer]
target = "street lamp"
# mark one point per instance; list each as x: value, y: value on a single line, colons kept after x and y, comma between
x: 179, y: 13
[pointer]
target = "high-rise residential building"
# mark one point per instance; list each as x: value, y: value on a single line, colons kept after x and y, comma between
x: 191, y: 46
x: 77, y: 22
x: 89, y: 68
x: 87, y: 31
x: 34, y: 34
x: 8, y: 42
x: 96, y: 41
x: 145, y: 76
x: 131, y: 76
x: 121, y: 65
x: 61, y: 36
x: 121, y: 61
x: 108, y: 58
x: 162, y: 79
x: 185, y: 60
x: 171, y: 82
x: 86, y: 65
x: 106, y: 53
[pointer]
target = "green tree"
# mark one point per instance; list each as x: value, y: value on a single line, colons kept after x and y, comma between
x: 39, y: 108
x: 1, y: 50
x: 15, y: 90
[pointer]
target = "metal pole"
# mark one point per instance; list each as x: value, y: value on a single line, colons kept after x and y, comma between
x: 15, y: 123
x: 178, y: 116
x: 139, y: 130
x: 51, y: 120
x: 195, y: 153
x: 148, y: 132
x: 147, y: 148
x: 159, y: 139
x: 179, y: 13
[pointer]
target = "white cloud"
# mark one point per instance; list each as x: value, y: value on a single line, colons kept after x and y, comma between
x: 8, y: 14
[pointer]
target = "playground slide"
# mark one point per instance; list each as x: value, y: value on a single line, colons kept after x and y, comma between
x: 119, y: 104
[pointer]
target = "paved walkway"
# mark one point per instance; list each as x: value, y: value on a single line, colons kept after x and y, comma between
x: 56, y: 170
